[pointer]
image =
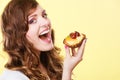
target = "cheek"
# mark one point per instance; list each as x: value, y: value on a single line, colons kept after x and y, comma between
x: 31, y: 31
x: 30, y: 35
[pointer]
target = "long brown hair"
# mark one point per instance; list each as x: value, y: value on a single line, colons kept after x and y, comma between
x: 24, y: 57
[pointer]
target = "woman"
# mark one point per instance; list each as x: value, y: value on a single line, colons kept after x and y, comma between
x: 29, y: 41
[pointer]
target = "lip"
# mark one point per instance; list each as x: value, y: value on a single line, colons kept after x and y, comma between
x: 45, y: 35
x: 43, y: 31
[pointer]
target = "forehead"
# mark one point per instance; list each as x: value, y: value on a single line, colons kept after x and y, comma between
x: 39, y: 10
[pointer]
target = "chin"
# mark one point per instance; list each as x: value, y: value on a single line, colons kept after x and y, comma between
x: 47, y: 48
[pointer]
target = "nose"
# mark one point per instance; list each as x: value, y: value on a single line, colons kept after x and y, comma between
x: 44, y: 21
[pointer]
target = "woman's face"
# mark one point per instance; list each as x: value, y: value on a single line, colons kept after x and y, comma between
x: 39, y: 32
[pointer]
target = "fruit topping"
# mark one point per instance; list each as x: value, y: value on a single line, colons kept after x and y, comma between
x: 72, y: 35
x: 77, y: 33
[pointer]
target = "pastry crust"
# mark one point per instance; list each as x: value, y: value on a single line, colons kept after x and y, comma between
x: 74, y: 41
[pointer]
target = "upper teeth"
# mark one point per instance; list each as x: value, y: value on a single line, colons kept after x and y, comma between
x: 44, y: 32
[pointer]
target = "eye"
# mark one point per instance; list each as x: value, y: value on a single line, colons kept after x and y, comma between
x: 32, y: 21
x: 44, y: 15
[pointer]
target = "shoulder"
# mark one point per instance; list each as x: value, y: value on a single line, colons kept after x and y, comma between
x: 12, y: 75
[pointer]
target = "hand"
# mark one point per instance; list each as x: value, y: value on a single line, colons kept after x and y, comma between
x: 71, y: 60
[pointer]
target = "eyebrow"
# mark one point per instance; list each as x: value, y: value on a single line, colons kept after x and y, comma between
x: 43, y: 11
x: 34, y: 15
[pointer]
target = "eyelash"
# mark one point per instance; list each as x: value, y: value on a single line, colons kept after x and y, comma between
x: 32, y: 21
x: 44, y: 15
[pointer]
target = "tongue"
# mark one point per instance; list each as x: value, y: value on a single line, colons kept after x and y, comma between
x: 45, y: 38
x: 42, y: 37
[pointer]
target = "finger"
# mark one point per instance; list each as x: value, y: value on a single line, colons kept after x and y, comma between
x: 81, y: 48
x: 67, y: 50
x: 73, y: 51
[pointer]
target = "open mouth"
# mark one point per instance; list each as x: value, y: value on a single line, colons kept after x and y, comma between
x: 45, y: 36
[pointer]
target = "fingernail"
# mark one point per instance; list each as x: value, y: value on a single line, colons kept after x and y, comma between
x: 66, y: 46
